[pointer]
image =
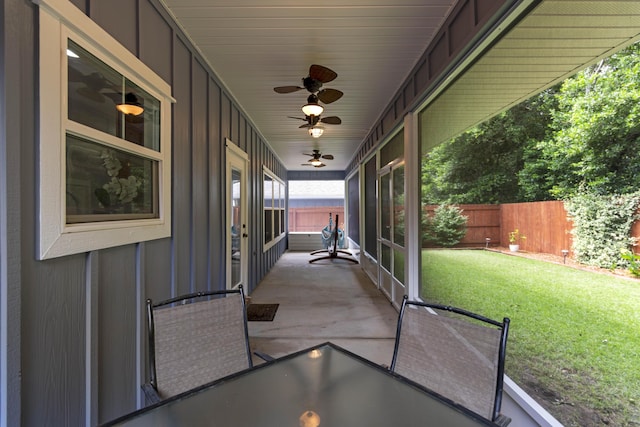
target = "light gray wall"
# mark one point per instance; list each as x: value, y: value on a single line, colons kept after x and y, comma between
x: 74, y: 326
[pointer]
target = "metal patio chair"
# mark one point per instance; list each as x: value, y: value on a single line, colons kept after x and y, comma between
x: 455, y: 353
x: 195, y: 339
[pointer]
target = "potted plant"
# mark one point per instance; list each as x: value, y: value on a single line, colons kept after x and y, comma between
x: 515, y: 237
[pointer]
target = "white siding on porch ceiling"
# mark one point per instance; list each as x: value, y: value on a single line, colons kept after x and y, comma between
x: 256, y: 45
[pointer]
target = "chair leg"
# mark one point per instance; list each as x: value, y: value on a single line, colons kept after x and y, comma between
x: 264, y: 356
x: 502, y: 420
x: 150, y: 394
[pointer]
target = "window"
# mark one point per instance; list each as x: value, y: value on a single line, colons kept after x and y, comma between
x: 353, y: 203
x: 274, y: 208
x: 370, y: 208
x: 105, y: 142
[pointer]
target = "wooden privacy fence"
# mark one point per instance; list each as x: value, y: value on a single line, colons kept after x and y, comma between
x: 314, y: 219
x: 483, y: 221
x: 545, y: 225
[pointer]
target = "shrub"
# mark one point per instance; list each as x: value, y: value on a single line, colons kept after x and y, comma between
x: 446, y: 227
x: 633, y: 260
x: 602, y: 227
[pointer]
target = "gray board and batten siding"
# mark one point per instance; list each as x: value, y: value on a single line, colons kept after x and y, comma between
x: 77, y: 322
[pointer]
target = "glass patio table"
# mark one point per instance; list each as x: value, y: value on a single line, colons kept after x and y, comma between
x: 325, y: 385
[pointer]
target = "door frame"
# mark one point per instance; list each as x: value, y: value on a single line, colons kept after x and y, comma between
x: 239, y: 160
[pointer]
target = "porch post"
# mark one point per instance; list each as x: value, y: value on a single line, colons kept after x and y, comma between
x: 413, y: 234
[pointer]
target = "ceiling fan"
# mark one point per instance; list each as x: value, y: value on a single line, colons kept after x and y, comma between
x: 318, y: 75
x: 315, y: 120
x: 92, y: 85
x: 97, y: 88
x: 315, y: 161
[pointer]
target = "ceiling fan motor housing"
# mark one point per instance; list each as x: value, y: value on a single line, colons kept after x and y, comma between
x: 311, y: 84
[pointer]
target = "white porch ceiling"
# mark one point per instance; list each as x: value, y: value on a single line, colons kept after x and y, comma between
x: 256, y: 45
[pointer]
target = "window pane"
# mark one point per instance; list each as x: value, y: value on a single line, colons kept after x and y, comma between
x: 370, y: 211
x: 282, y: 196
x: 106, y: 184
x: 386, y: 256
x: 276, y: 223
x: 276, y: 194
x: 385, y: 207
x: 94, y: 90
x: 281, y: 221
x: 398, y: 266
x: 398, y: 206
x: 268, y: 225
x: 354, y: 209
x: 268, y: 191
x: 143, y: 129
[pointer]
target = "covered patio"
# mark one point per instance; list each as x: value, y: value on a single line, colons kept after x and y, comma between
x: 72, y: 320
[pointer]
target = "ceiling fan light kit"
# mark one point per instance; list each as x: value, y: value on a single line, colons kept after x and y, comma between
x: 130, y: 105
x: 316, y: 132
x: 315, y: 159
x: 312, y: 109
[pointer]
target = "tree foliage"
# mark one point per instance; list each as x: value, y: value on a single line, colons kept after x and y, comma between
x: 595, y: 145
x: 602, y: 226
x: 583, y: 135
x: 482, y: 164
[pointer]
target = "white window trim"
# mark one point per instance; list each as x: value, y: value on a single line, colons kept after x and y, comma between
x: 276, y: 239
x: 59, y: 20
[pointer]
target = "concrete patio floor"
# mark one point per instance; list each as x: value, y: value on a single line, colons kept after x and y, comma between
x: 329, y: 300
x: 334, y: 300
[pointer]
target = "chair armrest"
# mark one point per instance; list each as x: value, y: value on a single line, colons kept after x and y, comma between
x: 502, y: 420
x: 151, y: 395
x: 264, y: 356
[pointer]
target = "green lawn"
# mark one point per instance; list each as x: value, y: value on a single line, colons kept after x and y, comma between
x: 574, y: 341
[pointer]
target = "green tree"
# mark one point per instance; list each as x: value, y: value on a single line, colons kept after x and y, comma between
x: 446, y: 227
x: 595, y: 144
x: 483, y: 164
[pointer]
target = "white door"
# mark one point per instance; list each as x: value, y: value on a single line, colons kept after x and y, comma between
x: 237, y: 227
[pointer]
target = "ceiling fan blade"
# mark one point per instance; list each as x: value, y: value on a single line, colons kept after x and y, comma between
x: 328, y: 96
x: 297, y: 118
x: 331, y: 120
x: 321, y: 73
x: 75, y: 75
x: 307, y: 125
x: 321, y: 165
x: 91, y: 94
x: 117, y: 98
x: 287, y: 89
x: 328, y: 156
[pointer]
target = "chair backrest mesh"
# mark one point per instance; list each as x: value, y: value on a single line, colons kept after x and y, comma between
x: 198, y: 343
x: 453, y: 357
